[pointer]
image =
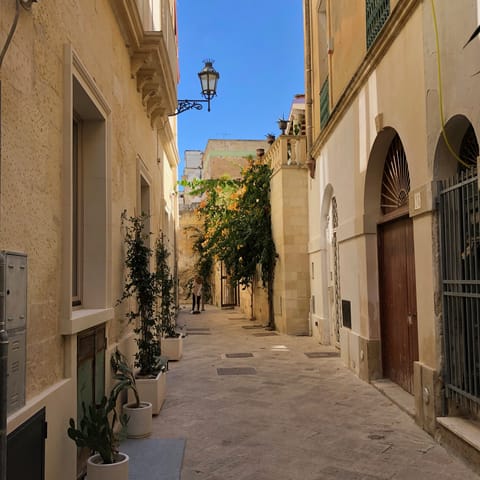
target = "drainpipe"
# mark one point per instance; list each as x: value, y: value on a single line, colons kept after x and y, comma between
x: 3, y: 331
x: 308, y: 107
x: 308, y: 87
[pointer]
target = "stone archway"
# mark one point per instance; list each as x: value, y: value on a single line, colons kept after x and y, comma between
x: 372, y: 214
x: 332, y: 301
x: 445, y: 163
x: 396, y: 271
x: 321, y: 301
x: 391, y: 281
x: 458, y: 223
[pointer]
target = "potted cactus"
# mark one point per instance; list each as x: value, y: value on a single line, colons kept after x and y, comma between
x: 139, y: 413
x: 100, y: 430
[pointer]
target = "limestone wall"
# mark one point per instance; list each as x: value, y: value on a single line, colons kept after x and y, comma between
x: 68, y: 60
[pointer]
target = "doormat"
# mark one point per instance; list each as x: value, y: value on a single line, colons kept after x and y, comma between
x: 266, y: 334
x: 250, y: 327
x: 154, y: 458
x: 322, y: 354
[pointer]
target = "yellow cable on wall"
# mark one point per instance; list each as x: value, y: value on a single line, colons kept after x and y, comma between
x: 440, y: 90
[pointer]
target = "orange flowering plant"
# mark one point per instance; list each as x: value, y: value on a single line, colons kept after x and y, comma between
x: 237, y: 225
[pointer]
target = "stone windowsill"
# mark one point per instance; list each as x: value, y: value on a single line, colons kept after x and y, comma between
x: 85, y: 318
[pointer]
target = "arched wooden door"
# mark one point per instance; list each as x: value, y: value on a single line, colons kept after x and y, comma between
x: 398, y: 306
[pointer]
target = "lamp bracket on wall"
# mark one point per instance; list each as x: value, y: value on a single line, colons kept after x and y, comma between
x: 27, y: 4
x: 208, y: 80
x: 184, y: 105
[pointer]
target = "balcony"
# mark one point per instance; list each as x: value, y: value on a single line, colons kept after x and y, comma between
x: 148, y: 29
x: 287, y: 151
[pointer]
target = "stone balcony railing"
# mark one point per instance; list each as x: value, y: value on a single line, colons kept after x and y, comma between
x: 148, y: 30
x: 287, y: 150
x: 156, y: 17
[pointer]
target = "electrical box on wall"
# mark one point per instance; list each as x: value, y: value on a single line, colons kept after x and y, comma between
x: 13, y: 318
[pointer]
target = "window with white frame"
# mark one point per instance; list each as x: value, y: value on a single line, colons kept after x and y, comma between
x: 89, y: 207
x: 77, y: 213
x: 87, y: 193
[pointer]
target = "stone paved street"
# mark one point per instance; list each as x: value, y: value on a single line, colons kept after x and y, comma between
x: 280, y: 415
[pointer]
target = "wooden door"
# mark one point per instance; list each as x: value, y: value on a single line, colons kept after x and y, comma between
x: 398, y: 306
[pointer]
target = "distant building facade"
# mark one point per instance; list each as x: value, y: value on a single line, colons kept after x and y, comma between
x: 220, y: 158
x: 192, y: 170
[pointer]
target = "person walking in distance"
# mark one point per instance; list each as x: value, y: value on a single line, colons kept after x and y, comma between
x: 196, y: 294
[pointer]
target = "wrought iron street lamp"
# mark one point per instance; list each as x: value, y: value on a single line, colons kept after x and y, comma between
x: 208, y: 79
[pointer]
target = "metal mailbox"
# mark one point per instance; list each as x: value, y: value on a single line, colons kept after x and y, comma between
x: 13, y: 319
x: 13, y: 290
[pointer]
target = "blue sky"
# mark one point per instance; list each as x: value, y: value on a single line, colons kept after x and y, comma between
x: 257, y: 46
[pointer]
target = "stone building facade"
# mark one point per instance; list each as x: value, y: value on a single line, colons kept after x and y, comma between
x: 86, y: 91
x: 391, y: 113
x: 220, y: 158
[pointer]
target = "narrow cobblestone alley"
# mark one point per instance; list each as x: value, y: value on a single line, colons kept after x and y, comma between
x: 252, y: 405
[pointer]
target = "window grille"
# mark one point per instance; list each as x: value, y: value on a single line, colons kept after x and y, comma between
x: 336, y: 273
x: 377, y: 14
x: 396, y: 178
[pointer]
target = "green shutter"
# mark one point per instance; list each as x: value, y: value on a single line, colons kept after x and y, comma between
x: 377, y: 14
x: 324, y: 104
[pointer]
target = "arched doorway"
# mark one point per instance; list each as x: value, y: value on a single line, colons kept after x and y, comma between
x: 396, y: 262
x: 459, y: 253
x: 335, y: 298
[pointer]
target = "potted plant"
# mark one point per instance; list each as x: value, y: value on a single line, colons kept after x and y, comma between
x: 270, y: 138
x: 139, y: 413
x: 282, y: 125
x: 141, y: 285
x: 98, y: 430
x: 171, y: 340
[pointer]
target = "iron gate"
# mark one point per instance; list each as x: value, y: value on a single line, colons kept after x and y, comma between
x: 336, y: 274
x: 459, y: 222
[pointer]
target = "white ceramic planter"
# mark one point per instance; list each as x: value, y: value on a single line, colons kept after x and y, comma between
x: 172, y: 347
x: 152, y: 390
x: 97, y: 470
x: 139, y: 419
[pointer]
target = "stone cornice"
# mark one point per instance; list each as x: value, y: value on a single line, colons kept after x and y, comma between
x: 396, y: 21
x: 151, y: 61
